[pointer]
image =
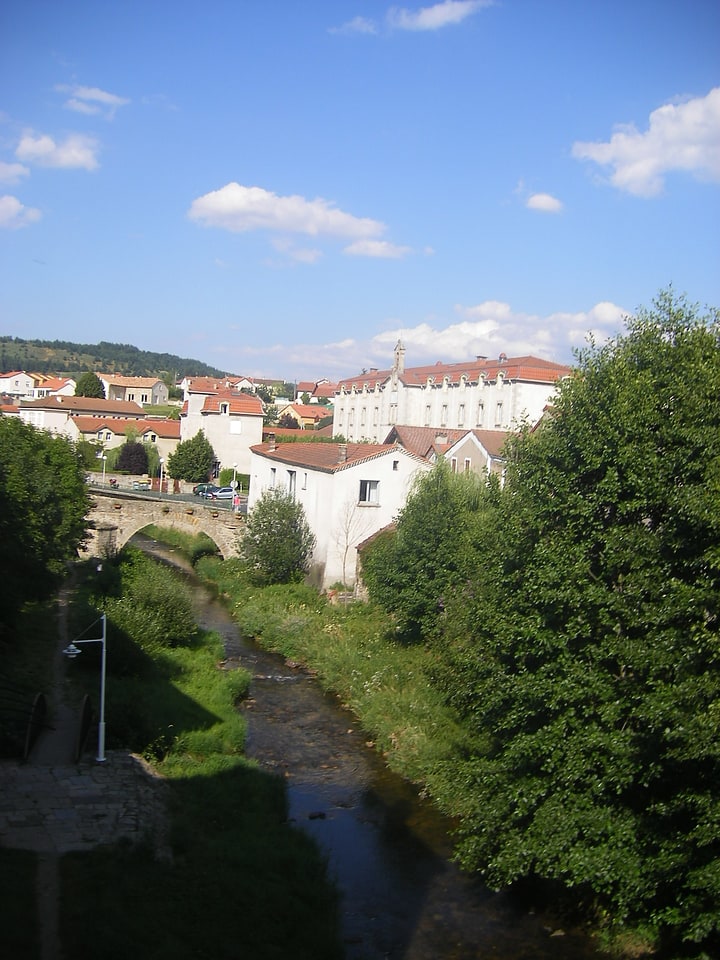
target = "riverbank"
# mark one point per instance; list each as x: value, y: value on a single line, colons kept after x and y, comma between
x: 238, y: 879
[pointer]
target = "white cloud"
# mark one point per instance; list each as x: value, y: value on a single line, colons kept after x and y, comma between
x: 377, y: 248
x: 12, y: 172
x: 434, y: 17
x: 239, y: 209
x: 544, y: 202
x: 357, y: 25
x: 683, y: 136
x: 76, y: 151
x: 492, y: 327
x: 91, y: 100
x: 14, y: 214
x: 298, y: 254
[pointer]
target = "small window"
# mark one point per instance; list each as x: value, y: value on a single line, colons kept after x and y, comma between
x: 467, y: 464
x: 224, y: 408
x: 453, y: 464
x: 363, y: 414
x: 292, y: 477
x: 393, y: 413
x: 461, y: 414
x: 304, y: 481
x: 480, y: 414
x: 428, y: 412
x: 273, y: 477
x: 499, y: 414
x: 396, y: 464
x: 443, y: 415
x: 370, y: 491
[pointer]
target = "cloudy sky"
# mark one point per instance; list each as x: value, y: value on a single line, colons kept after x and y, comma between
x: 282, y: 188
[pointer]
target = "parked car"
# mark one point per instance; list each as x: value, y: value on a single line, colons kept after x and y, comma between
x: 141, y: 484
x: 221, y: 493
x: 204, y: 489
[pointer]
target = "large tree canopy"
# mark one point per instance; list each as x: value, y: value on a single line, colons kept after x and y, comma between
x: 580, y: 633
x: 43, y: 505
x: 588, y: 643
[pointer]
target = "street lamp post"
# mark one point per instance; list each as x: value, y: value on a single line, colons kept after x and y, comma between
x: 72, y: 651
x: 162, y: 461
x: 104, y: 460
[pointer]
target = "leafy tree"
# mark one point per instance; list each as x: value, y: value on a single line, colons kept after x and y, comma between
x: 288, y: 422
x: 587, y: 644
x: 410, y: 572
x: 305, y: 397
x: 192, y: 459
x: 270, y: 417
x: 277, y: 543
x: 133, y: 458
x: 90, y: 385
x: 43, y: 505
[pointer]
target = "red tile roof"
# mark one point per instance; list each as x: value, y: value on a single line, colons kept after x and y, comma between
x: 532, y: 369
x: 239, y: 404
x: 89, y: 405
x: 327, y: 457
x: 168, y: 429
x: 423, y: 440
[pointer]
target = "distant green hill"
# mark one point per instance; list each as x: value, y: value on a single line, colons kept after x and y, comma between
x: 61, y: 358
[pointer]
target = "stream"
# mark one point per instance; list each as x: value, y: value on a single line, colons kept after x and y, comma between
x: 387, y: 849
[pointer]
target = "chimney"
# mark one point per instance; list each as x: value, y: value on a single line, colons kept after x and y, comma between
x: 441, y: 438
x: 503, y: 357
x: 271, y: 442
x: 342, y: 452
x: 480, y: 357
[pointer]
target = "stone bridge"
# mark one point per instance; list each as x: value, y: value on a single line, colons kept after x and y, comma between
x: 117, y: 515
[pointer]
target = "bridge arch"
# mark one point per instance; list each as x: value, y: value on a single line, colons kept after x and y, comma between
x: 116, y: 517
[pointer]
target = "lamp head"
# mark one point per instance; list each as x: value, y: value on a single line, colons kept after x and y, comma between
x: 72, y: 651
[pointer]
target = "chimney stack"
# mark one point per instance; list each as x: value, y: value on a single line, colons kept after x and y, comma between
x: 271, y: 442
x: 342, y: 452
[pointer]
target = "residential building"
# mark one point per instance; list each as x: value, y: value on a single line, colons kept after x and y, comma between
x: 478, y: 394
x: 164, y: 434
x: 348, y: 491
x: 55, y: 413
x: 306, y: 415
x: 231, y: 421
x: 477, y: 451
x: 17, y: 384
x: 147, y: 391
x: 54, y: 386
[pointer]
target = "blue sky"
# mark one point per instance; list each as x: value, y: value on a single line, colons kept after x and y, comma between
x: 282, y: 188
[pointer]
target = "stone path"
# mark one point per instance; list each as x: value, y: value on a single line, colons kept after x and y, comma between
x: 60, y: 808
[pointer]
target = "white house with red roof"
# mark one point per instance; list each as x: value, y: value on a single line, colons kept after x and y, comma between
x: 54, y: 386
x: 478, y: 394
x: 17, y: 384
x: 231, y: 421
x: 348, y: 491
x: 108, y: 432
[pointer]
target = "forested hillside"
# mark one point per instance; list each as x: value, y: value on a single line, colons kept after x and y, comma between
x: 63, y: 358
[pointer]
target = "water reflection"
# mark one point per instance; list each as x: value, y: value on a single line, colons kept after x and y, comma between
x: 387, y: 848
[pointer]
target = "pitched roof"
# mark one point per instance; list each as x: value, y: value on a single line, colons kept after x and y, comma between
x: 424, y: 440
x: 528, y: 368
x: 55, y: 383
x: 74, y: 406
x: 327, y: 457
x: 120, y: 381
x: 168, y: 429
x: 239, y: 404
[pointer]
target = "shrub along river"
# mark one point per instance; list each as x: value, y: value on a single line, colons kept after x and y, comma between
x: 387, y: 849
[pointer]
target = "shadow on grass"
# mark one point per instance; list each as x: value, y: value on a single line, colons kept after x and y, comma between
x: 242, y: 883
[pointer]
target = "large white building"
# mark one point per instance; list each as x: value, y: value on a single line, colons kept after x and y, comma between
x: 348, y: 491
x: 478, y: 394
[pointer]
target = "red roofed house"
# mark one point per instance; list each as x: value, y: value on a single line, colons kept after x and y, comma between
x: 54, y: 387
x: 475, y: 451
x: 55, y: 413
x: 306, y: 415
x: 478, y: 394
x: 349, y: 491
x: 163, y: 433
x: 147, y: 391
x: 231, y: 421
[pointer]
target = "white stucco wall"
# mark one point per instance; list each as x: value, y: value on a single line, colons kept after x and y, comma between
x: 332, y: 506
